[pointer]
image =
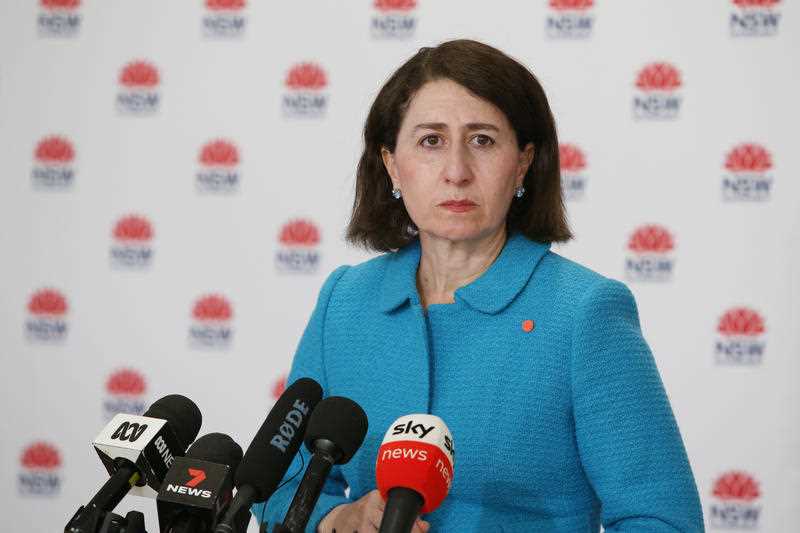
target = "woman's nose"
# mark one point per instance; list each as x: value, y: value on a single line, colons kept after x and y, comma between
x: 457, y: 168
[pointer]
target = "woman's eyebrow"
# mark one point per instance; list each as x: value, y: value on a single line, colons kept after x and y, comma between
x: 441, y: 126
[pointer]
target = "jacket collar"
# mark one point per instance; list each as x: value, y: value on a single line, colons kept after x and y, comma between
x: 490, y: 293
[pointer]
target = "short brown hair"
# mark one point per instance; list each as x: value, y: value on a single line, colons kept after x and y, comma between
x: 379, y: 222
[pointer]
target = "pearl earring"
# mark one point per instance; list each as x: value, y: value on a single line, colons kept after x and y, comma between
x: 396, y: 193
x: 519, y: 191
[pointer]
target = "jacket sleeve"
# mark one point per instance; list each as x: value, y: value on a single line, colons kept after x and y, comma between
x: 308, y: 362
x: 627, y: 436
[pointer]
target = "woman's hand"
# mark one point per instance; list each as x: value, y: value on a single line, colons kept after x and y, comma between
x: 362, y: 516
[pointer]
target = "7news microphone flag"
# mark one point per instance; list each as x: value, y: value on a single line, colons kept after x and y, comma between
x: 199, y: 486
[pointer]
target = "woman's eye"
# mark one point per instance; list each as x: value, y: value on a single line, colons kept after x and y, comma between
x: 483, y: 140
x: 431, y: 140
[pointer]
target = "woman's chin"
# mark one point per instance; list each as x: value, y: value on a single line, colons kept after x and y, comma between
x: 460, y: 232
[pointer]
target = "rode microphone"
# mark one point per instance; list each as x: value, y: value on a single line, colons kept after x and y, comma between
x: 335, y: 433
x: 272, y: 450
x: 137, y: 451
x: 414, y: 470
x: 199, y: 485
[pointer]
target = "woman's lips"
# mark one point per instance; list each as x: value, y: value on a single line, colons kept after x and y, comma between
x: 458, y: 206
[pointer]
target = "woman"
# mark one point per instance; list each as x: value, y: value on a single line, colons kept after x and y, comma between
x: 536, y: 364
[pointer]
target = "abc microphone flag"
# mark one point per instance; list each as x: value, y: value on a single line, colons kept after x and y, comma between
x: 138, y: 451
x: 414, y: 469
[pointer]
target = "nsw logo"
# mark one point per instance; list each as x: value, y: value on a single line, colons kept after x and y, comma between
x: 298, y: 247
x: 657, y: 95
x: 735, y: 500
x: 53, y: 164
x: 39, y: 474
x: 754, y: 18
x: 138, y: 89
x: 59, y: 18
x: 570, y: 19
x: 740, y: 338
x: 211, y: 328
x: 125, y: 390
x: 305, y: 95
x: 650, y: 258
x: 224, y: 19
x: 47, y: 311
x: 748, y: 177
x: 219, y: 168
x: 393, y: 19
x: 573, y: 171
x: 132, y: 245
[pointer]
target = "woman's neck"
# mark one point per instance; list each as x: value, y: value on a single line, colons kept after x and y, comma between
x: 446, y: 265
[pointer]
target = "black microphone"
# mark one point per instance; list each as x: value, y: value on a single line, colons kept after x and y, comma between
x: 137, y: 451
x: 272, y: 450
x: 199, y: 485
x: 335, y: 433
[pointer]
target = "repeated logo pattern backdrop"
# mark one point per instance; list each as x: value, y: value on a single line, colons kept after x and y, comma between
x: 177, y: 177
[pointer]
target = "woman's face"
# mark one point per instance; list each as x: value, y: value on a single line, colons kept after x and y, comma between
x: 456, y: 162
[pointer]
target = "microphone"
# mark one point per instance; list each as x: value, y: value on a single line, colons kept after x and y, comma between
x: 137, y: 451
x: 414, y: 469
x: 199, y: 485
x: 271, y: 452
x: 335, y: 433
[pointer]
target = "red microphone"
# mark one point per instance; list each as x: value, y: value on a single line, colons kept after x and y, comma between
x: 414, y: 469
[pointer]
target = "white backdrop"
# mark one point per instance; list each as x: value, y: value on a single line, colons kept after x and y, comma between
x: 176, y: 178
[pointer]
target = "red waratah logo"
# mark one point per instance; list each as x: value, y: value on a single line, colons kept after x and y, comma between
x: 571, y: 5
x: 219, y: 153
x: 225, y: 5
x: 47, y: 302
x: 306, y: 76
x: 736, y: 486
x: 658, y: 77
x: 571, y: 158
x: 741, y: 321
x: 60, y: 4
x: 395, y: 5
x: 279, y: 387
x: 756, y: 3
x: 299, y: 233
x: 748, y: 157
x: 139, y: 75
x: 41, y: 456
x: 54, y: 150
x: 133, y: 228
x: 126, y: 382
x: 651, y: 239
x: 212, y: 308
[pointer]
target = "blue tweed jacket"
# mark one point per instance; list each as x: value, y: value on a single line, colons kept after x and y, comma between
x: 558, y: 428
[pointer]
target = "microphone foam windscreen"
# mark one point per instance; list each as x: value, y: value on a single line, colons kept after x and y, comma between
x: 216, y: 448
x: 341, y: 421
x: 181, y: 414
x: 269, y: 455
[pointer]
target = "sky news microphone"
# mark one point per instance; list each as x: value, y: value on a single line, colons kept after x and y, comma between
x: 199, y: 485
x: 137, y: 451
x: 414, y: 470
x: 335, y: 433
x: 272, y: 450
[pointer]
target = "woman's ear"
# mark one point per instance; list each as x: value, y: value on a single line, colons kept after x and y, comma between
x: 388, y: 162
x: 525, y: 161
